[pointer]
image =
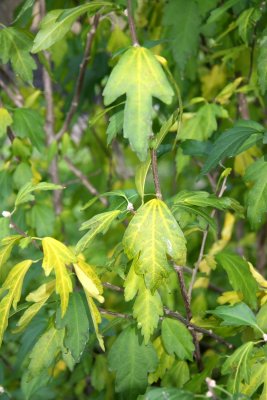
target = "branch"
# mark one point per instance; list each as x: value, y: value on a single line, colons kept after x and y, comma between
x: 114, y: 314
x: 154, y: 163
x: 203, y: 244
x: 80, y: 80
x: 85, y: 181
x: 189, y: 316
x: 131, y: 23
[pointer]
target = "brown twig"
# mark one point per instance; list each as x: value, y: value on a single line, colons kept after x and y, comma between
x: 189, y: 316
x: 203, y: 243
x: 80, y: 80
x: 114, y: 313
x: 85, y: 181
x: 154, y: 164
x: 131, y: 23
x: 13, y: 96
x: 21, y: 232
x: 113, y: 287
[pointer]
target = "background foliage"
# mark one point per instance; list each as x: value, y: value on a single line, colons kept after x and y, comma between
x: 109, y: 291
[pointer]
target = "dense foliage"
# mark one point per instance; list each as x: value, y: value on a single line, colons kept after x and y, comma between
x: 133, y: 196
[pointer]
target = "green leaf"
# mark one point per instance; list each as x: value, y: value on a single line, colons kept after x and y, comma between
x: 25, y: 193
x: 100, y: 223
x: 139, y: 75
x: 76, y: 326
x: 15, y: 47
x: 57, y: 24
x: 246, y: 22
x: 6, y: 246
x: 131, y: 371
x: 196, y: 148
x: 57, y: 257
x: 115, y: 125
x: 152, y: 234
x: 262, y: 65
x: 204, y: 199
x: 89, y: 279
x: 232, y: 142
x: 257, y: 195
x: 219, y: 11
x: 147, y: 309
x: 140, y: 177
x: 12, y: 284
x: 51, y: 343
x: 42, y: 218
x: 238, y: 364
x: 177, y: 339
x: 168, y: 393
x: 165, y: 361
x: 5, y: 121
x: 203, y: 123
x: 27, y: 4
x: 239, y: 275
x: 182, y: 22
x: 29, y: 123
x: 237, y: 315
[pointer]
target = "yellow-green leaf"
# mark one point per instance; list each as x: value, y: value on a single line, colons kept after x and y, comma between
x: 139, y: 75
x: 57, y: 257
x: 7, y: 245
x: 89, y: 280
x: 5, y: 121
x: 96, y: 318
x: 165, y: 361
x: 12, y: 284
x: 152, y: 235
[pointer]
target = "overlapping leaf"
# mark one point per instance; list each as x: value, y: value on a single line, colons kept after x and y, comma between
x: 57, y: 257
x: 152, y: 235
x: 89, y: 279
x: 177, y: 339
x: 6, y: 246
x: 139, y: 75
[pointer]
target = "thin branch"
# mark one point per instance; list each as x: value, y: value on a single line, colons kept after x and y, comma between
x: 85, y: 181
x: 203, y: 244
x: 13, y: 96
x: 113, y: 287
x: 131, y: 23
x: 154, y: 163
x: 21, y: 232
x: 114, y: 313
x: 189, y: 316
x: 80, y: 80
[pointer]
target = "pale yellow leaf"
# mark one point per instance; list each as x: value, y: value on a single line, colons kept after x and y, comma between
x: 96, y: 317
x: 230, y: 297
x: 89, y: 279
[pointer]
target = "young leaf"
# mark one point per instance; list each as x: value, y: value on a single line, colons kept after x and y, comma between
x: 131, y: 371
x: 16, y: 45
x: 29, y: 123
x: 140, y: 76
x: 239, y: 275
x: 232, y: 142
x: 177, y: 339
x: 6, y: 246
x: 152, y: 234
x: 257, y: 196
x: 76, y: 326
x: 147, y: 309
x: 25, y: 193
x: 56, y: 257
x: 100, y: 223
x: 182, y: 22
x: 57, y: 24
x: 12, y: 284
x: 5, y: 121
x: 89, y: 279
x: 51, y: 343
x: 238, y: 363
x: 237, y: 315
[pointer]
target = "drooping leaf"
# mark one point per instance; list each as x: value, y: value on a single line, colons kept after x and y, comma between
x: 57, y: 257
x: 15, y: 47
x: 182, y: 22
x: 5, y: 121
x: 238, y: 364
x: 96, y: 318
x: 165, y: 361
x: 177, y: 339
x: 57, y: 24
x: 139, y: 75
x: 239, y: 275
x: 25, y: 193
x: 131, y: 371
x: 76, y: 326
x: 89, y: 279
x: 100, y: 223
x: 29, y: 123
x: 257, y: 196
x: 140, y: 177
x: 147, y: 309
x: 237, y: 315
x: 152, y: 234
x: 13, y: 286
